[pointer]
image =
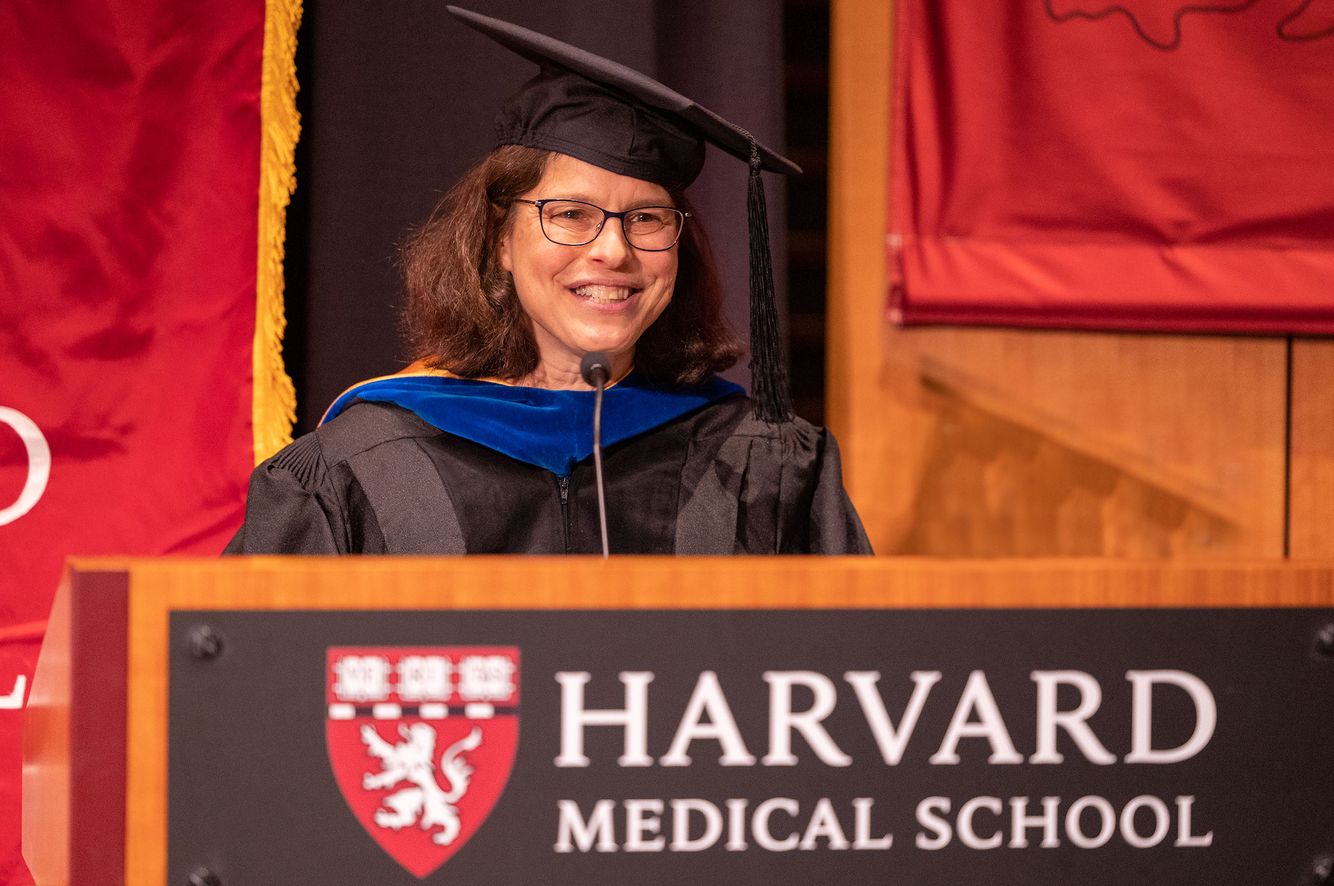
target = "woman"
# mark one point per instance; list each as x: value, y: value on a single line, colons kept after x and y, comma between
x: 573, y: 236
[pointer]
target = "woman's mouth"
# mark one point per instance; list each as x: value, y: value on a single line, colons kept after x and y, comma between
x: 599, y: 293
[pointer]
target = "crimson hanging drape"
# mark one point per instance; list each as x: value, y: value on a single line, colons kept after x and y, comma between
x: 131, y: 211
x: 1143, y: 165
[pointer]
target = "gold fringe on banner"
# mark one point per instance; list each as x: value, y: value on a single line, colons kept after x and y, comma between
x: 274, y: 402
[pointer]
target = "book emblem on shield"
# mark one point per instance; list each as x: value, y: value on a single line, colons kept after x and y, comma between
x: 422, y: 741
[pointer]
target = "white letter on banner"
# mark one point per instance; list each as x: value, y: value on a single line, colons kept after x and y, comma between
x: 14, y: 700
x: 39, y: 463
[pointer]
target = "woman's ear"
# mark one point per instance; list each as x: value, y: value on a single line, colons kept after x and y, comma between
x: 503, y: 251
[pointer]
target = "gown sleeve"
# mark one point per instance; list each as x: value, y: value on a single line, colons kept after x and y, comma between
x: 835, y: 526
x: 285, y: 514
x: 761, y: 488
x: 360, y: 484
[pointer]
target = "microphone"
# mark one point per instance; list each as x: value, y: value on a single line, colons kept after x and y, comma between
x: 596, y: 371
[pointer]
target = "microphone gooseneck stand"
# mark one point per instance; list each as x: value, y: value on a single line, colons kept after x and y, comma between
x: 595, y: 371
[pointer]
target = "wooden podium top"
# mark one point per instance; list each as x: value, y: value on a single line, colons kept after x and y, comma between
x: 484, y: 582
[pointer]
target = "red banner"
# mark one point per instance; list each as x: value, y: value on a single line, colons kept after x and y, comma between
x: 1143, y: 165
x: 130, y: 192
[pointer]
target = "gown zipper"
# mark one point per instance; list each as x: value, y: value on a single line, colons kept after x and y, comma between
x: 564, y: 484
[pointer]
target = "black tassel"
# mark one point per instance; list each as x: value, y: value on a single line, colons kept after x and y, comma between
x: 768, y: 368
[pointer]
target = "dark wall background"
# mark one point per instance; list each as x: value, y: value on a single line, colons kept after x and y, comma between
x: 397, y: 100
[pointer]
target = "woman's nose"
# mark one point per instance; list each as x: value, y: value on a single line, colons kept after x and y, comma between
x: 610, y: 245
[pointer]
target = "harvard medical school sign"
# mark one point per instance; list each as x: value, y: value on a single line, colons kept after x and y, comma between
x: 896, y: 747
x: 645, y: 826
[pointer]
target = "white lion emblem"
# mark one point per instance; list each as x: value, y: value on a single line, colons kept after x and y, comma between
x: 423, y: 803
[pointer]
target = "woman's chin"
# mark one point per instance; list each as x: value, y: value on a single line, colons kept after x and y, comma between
x: 610, y: 342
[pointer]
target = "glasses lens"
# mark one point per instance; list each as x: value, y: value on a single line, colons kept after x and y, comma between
x: 574, y: 223
x: 653, y: 227
x: 570, y: 222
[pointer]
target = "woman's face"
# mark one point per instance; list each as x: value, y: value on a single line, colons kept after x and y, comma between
x: 598, y: 297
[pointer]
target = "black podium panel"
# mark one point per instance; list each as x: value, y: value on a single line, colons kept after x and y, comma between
x: 830, y: 747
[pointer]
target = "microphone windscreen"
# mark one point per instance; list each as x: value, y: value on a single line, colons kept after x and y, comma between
x: 594, y: 367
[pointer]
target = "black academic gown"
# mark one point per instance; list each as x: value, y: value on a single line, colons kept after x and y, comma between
x: 380, y: 480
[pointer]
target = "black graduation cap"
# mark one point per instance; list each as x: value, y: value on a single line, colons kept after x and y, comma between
x: 614, y: 117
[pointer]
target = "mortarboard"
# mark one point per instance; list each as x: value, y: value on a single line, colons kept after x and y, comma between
x: 614, y: 117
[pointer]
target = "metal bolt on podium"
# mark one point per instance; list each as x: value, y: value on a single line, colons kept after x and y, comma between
x: 1324, y: 640
x: 202, y: 876
x: 205, y: 643
x: 1321, y: 872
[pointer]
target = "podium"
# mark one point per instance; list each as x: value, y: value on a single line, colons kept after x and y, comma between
x: 655, y: 720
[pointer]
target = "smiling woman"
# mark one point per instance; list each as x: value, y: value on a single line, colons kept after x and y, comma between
x: 602, y: 295
x: 573, y: 236
x: 468, y: 315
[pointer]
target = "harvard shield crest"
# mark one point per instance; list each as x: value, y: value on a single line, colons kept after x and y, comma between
x: 421, y: 741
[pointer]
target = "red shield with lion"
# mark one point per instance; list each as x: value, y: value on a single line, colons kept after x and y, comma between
x: 421, y: 741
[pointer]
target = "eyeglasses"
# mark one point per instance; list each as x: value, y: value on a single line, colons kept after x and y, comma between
x: 576, y: 223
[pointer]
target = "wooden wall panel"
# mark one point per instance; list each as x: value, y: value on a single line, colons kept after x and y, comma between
x: 994, y: 442
x: 859, y: 70
x: 1312, y: 479
x: 1012, y: 442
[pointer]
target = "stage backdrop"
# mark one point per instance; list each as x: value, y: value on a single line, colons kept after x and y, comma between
x: 1145, y: 165
x: 145, y: 163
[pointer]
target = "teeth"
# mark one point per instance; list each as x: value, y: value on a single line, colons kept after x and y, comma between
x: 604, y: 293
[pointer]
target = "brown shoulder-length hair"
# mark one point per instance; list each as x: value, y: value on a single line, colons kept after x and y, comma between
x: 463, y: 314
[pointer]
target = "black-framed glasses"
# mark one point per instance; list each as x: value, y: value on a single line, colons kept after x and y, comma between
x: 576, y: 223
